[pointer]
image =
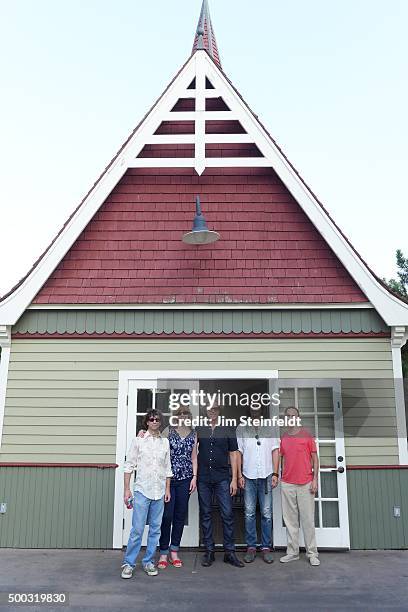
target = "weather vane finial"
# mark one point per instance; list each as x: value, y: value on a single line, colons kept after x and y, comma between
x: 204, y: 36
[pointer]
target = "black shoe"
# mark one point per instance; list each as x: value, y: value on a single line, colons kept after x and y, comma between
x: 208, y: 558
x: 232, y: 559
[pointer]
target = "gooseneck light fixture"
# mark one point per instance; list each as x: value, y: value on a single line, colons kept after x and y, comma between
x: 200, y: 234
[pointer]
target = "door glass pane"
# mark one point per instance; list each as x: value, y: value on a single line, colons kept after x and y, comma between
x: 330, y: 514
x: 317, y: 520
x: 166, y: 422
x: 327, y: 453
x: 144, y: 400
x: 162, y: 400
x: 309, y: 423
x: 139, y: 422
x: 162, y: 404
x: 144, y: 403
x: 326, y: 427
x: 287, y: 399
x: 305, y: 400
x: 324, y: 399
x: 328, y: 482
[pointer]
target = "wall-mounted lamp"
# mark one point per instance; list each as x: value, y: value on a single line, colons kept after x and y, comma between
x: 200, y: 234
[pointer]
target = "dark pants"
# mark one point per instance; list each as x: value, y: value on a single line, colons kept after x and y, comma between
x: 224, y: 499
x: 174, y: 516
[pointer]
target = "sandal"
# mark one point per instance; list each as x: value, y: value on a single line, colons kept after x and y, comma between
x: 162, y: 564
x: 176, y: 562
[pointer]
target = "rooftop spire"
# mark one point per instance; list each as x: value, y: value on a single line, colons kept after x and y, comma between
x: 205, y: 37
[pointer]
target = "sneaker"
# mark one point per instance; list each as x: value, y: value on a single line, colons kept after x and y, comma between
x: 315, y: 561
x: 150, y: 569
x: 250, y: 555
x: 127, y: 571
x: 289, y: 558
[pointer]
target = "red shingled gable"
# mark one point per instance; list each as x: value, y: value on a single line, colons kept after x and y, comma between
x: 132, y: 252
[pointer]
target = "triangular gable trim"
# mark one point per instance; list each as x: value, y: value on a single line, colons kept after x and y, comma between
x: 201, y: 67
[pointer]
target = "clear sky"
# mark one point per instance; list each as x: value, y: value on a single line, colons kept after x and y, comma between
x: 327, y: 78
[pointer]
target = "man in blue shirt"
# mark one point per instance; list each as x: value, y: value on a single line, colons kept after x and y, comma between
x: 217, y: 450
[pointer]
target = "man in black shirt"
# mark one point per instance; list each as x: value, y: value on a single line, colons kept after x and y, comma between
x: 217, y: 445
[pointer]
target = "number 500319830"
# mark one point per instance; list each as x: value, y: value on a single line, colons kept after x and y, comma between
x: 37, y: 598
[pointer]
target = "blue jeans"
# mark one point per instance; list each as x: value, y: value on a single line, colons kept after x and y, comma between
x: 174, y: 516
x: 255, y: 489
x: 224, y: 499
x: 144, y: 511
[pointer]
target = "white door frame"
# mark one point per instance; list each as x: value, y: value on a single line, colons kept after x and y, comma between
x: 191, y: 531
x: 151, y: 377
x: 327, y: 537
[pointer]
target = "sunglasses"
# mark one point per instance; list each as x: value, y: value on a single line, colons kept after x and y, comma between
x: 257, y: 440
x: 154, y: 420
x: 184, y: 414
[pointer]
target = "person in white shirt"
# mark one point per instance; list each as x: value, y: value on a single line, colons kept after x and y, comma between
x: 150, y: 456
x: 258, y: 475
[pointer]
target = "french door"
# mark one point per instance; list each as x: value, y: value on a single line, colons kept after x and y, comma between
x: 319, y: 403
x: 144, y: 395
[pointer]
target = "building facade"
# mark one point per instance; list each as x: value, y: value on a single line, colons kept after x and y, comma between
x: 120, y: 311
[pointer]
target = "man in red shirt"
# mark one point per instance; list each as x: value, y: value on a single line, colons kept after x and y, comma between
x: 300, y: 468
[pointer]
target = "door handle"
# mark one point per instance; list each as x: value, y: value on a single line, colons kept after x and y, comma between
x: 340, y: 469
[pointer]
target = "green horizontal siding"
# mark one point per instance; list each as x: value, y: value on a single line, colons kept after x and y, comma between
x: 57, y: 507
x: 73, y: 508
x: 372, y: 495
x: 199, y: 322
x: 370, y: 424
x: 69, y: 389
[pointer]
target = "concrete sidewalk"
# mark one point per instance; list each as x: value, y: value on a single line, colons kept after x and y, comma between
x: 357, y: 580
